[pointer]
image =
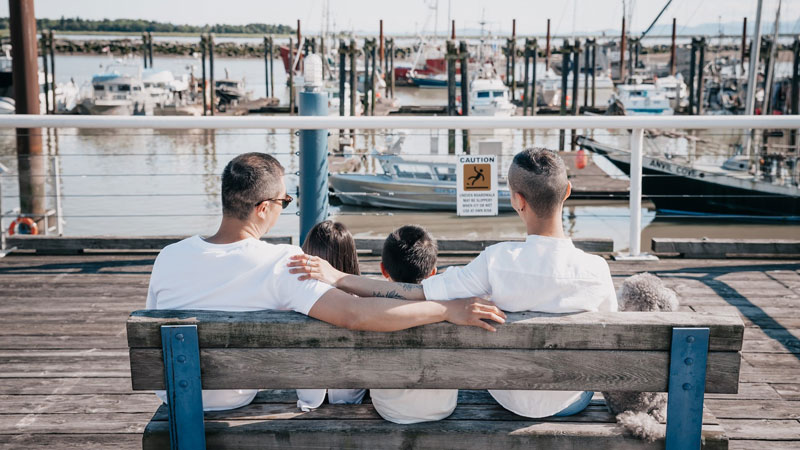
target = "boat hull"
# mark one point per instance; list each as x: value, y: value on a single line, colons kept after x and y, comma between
x: 674, y: 188
x: 381, y: 191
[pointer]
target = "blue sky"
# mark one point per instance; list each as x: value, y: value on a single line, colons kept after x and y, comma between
x: 409, y: 16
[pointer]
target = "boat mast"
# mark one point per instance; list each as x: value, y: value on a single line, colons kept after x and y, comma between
x: 771, y: 68
x: 751, y: 76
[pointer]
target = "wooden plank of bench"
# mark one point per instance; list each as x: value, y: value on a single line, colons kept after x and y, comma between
x: 599, y: 370
x: 77, y: 244
x: 591, y: 245
x: 526, y: 330
x: 379, y: 434
x: 705, y: 248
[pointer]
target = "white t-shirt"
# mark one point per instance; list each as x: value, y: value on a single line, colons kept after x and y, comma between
x: 247, y: 275
x: 541, y: 274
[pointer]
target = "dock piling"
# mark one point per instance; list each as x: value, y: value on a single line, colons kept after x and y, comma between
x: 576, y: 71
x: 672, y: 62
x: 144, y: 48
x: 353, y: 50
x: 547, y: 49
x: 291, y: 71
x: 203, y: 48
x: 586, y: 55
x: 373, y: 75
x: 210, y: 40
x: 622, y: 53
x: 594, y: 71
x: 463, y: 54
x: 692, y: 69
x: 565, y: 54
x: 45, y: 67
x: 24, y: 67
x: 795, y: 91
x: 451, y: 57
x: 744, y: 43
x: 150, y: 47
x: 526, y: 56
x: 513, y: 52
x: 700, y: 74
x: 266, y: 66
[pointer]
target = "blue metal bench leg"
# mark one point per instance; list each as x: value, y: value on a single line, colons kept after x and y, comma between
x: 184, y: 390
x: 687, y: 382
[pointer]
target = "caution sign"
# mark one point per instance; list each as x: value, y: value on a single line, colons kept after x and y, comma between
x: 476, y: 178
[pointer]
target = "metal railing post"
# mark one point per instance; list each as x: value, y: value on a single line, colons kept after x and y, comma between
x: 313, y: 183
x: 637, y: 136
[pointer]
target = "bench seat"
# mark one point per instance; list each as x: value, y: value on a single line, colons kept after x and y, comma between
x: 274, y: 421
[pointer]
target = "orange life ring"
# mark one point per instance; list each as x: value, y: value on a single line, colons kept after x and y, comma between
x: 581, y: 159
x: 32, y: 228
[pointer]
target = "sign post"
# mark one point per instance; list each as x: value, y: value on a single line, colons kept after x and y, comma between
x: 476, y: 179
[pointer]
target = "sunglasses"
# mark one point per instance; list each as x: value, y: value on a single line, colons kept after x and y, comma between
x: 284, y: 201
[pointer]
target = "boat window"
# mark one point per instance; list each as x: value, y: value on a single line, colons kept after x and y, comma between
x: 124, y: 87
x: 498, y: 94
x: 413, y: 171
x: 99, y: 87
x: 445, y: 173
x: 483, y: 94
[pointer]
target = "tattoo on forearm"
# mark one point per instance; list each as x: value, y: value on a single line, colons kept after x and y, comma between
x: 389, y: 294
x: 410, y: 287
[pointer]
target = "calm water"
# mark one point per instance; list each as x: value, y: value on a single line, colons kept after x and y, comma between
x: 150, y: 182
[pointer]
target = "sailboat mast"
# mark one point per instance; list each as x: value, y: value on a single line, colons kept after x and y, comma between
x: 751, y: 75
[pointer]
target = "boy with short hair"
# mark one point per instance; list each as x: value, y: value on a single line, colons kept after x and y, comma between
x: 409, y: 256
x: 545, y: 273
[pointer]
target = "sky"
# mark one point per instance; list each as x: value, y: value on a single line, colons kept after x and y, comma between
x: 412, y: 16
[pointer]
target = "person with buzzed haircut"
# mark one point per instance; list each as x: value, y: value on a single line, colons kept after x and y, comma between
x: 409, y: 256
x: 544, y: 273
x: 234, y: 270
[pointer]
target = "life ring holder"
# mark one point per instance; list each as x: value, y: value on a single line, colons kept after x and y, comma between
x: 20, y: 222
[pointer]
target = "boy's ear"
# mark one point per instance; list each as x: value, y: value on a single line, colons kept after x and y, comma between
x: 384, y: 272
x: 433, y: 272
x: 569, y: 190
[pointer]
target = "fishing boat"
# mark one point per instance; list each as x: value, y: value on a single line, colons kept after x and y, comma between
x: 489, y: 96
x: 642, y: 99
x: 433, y: 81
x: 229, y: 91
x: 674, y: 89
x: 711, y: 185
x: 406, y: 184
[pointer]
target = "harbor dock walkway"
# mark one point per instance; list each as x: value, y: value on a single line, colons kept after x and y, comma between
x: 65, y: 376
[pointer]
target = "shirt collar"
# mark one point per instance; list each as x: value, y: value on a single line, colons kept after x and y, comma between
x: 547, y: 240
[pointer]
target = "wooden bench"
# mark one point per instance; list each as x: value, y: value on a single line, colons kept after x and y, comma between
x: 685, y: 354
x: 720, y: 248
x: 70, y: 245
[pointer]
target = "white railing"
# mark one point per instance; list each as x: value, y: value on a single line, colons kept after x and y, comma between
x: 635, y: 123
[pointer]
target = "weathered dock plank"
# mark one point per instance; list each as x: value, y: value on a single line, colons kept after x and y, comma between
x: 77, y: 304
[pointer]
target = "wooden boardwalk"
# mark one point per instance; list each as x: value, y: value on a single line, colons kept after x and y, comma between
x: 64, y: 374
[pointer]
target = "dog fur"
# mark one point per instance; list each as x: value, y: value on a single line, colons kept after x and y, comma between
x: 642, y: 413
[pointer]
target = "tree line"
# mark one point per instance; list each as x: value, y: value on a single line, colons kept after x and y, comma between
x: 139, y: 25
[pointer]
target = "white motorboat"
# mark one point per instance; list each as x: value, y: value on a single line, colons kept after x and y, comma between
x: 674, y: 89
x: 119, y: 91
x: 642, y: 99
x: 548, y: 89
x: 489, y: 96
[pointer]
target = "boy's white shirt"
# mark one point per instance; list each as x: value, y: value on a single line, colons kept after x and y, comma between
x: 541, y: 274
x: 247, y: 275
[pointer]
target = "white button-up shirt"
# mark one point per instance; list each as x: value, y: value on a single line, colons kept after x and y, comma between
x: 542, y: 274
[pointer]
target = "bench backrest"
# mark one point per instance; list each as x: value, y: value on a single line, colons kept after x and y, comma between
x: 627, y: 351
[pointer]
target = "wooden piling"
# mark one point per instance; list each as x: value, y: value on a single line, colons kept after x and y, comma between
x: 272, y: 65
x: 291, y: 71
x: 547, y: 49
x: 576, y: 71
x: 45, y: 67
x: 586, y: 56
x: 533, y: 99
x: 353, y: 50
x: 391, y: 67
x: 372, y: 77
x: 526, y: 56
x: 266, y: 66
x: 622, y: 53
x: 795, y: 91
x: 144, y: 48
x: 594, y: 71
x: 385, y: 60
x: 565, y: 55
x: 453, y: 29
x: 213, y: 88
x: 382, y: 44
x: 451, y: 57
x: 463, y: 54
x: 298, y: 37
x: 672, y: 62
x: 744, y: 42
x: 513, y: 51
x: 150, y: 47
x: 203, y: 49
x: 700, y: 76
x: 24, y: 68
x: 692, y: 68
x: 342, y: 75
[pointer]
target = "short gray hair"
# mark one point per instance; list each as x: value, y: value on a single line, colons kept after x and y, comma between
x: 248, y: 179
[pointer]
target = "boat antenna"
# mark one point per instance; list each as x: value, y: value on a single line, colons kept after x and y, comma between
x: 751, y: 75
x: 656, y: 19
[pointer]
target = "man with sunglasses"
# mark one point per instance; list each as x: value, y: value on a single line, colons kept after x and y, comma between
x: 234, y: 270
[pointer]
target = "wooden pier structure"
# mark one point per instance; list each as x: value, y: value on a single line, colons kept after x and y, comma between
x: 65, y: 375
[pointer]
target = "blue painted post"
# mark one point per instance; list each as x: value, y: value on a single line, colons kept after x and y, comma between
x: 313, y: 187
x: 687, y: 382
x: 181, y: 350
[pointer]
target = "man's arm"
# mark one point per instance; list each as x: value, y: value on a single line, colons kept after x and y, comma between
x: 316, y: 268
x: 386, y: 314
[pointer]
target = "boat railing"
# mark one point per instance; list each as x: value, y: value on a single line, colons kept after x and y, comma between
x: 636, y: 124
